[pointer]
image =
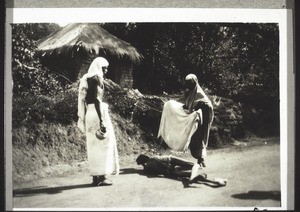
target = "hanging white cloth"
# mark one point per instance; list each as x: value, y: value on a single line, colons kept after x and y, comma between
x: 177, y: 125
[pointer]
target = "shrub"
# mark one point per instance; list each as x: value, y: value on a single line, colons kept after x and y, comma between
x: 30, y: 109
x: 29, y: 76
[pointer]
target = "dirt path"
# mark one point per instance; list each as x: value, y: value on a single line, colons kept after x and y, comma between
x: 253, y: 176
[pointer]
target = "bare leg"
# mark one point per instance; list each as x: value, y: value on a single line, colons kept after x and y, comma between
x: 214, y: 183
x: 184, y: 164
x: 181, y: 174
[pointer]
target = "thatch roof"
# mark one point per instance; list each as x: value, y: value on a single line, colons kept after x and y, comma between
x: 89, y: 37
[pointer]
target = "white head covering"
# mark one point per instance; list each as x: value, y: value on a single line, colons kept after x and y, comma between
x: 196, y: 95
x: 96, y: 67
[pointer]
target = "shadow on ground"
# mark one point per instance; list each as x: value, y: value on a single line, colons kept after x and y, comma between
x: 274, y: 195
x: 55, y: 190
x: 46, y: 190
x: 183, y: 178
x: 131, y: 171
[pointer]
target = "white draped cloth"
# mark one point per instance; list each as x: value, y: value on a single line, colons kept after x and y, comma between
x: 102, y: 154
x: 177, y: 125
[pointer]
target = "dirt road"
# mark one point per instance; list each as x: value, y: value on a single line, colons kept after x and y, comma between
x: 253, y: 176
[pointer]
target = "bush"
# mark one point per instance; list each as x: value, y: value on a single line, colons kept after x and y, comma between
x: 29, y: 76
x: 120, y: 103
x: 65, y: 107
x: 34, y: 109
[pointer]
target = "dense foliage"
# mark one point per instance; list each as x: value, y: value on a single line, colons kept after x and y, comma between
x: 230, y: 59
x: 29, y: 76
x: 35, y: 109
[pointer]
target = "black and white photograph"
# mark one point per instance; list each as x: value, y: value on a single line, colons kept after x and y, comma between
x: 185, y: 109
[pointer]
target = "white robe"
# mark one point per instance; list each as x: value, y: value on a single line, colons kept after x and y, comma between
x: 177, y: 126
x: 102, y: 154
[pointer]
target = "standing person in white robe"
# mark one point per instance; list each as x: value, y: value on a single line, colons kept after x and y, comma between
x: 94, y: 121
x: 187, y: 125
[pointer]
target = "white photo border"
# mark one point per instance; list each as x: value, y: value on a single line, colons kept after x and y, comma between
x: 99, y: 15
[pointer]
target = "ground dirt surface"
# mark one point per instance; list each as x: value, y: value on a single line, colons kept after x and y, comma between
x: 252, y: 173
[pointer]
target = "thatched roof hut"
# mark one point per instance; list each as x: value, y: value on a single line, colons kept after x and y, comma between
x: 70, y: 50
